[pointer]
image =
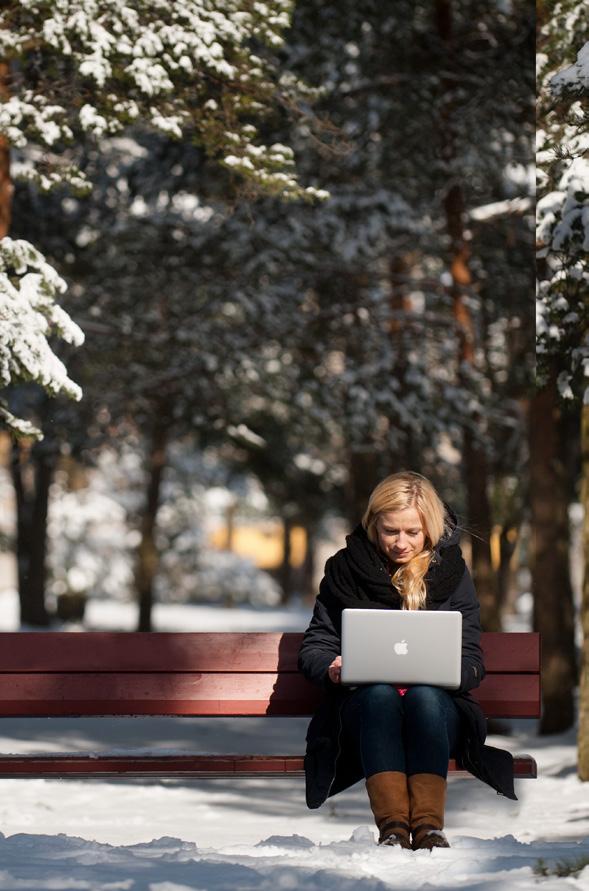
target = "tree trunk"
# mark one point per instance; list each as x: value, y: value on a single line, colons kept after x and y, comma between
x: 479, y: 519
x: 32, y: 474
x: 285, y: 575
x: 583, y: 737
x: 308, y: 573
x: 230, y: 512
x: 401, y: 456
x: 367, y: 466
x: 148, y: 557
x: 32, y: 470
x: 508, y: 542
x: 551, y: 583
x: 475, y: 460
x: 6, y: 187
x: 364, y: 475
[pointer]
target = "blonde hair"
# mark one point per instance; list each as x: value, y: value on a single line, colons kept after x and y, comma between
x: 398, y: 492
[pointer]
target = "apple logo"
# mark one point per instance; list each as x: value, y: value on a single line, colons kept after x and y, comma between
x: 401, y: 648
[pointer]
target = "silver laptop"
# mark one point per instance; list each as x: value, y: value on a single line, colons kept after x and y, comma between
x: 401, y: 647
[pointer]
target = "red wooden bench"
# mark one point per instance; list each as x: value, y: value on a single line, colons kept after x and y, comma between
x: 219, y: 674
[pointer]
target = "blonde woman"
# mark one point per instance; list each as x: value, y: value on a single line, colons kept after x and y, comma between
x: 403, y: 555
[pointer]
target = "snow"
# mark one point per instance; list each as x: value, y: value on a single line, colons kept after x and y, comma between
x: 237, y: 835
x: 562, y: 211
x: 30, y: 315
x: 149, y: 52
x: 575, y: 77
x: 500, y: 208
x: 157, y: 63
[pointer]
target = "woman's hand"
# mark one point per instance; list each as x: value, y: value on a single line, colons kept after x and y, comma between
x: 335, y: 670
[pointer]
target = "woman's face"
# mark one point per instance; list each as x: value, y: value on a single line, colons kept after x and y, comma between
x: 401, y: 535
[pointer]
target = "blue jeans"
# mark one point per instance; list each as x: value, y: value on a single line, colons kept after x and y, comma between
x: 414, y: 733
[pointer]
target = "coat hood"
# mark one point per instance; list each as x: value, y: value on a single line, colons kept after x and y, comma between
x: 451, y: 533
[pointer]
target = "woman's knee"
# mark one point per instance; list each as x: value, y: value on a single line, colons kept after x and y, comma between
x: 426, y: 699
x: 377, y: 697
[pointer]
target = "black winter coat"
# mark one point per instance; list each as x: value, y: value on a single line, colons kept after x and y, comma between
x: 358, y: 575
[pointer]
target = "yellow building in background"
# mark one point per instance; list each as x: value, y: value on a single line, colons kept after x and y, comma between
x: 262, y: 543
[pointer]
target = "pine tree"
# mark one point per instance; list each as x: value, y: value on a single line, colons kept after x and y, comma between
x: 327, y: 332
x: 563, y: 325
x: 70, y: 72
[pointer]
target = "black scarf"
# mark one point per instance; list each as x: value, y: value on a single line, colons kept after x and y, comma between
x: 358, y: 576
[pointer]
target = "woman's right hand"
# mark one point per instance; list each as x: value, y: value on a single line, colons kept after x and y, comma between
x: 335, y: 670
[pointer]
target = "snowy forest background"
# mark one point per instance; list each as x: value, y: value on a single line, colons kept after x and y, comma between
x: 259, y: 353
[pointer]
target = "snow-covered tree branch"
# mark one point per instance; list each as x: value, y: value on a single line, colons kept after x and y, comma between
x: 186, y: 68
x: 73, y: 71
x: 29, y: 315
x: 563, y: 201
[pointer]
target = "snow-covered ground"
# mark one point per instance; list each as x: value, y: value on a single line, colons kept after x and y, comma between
x: 237, y: 835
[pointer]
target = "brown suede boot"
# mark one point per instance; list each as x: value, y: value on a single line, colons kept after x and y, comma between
x: 389, y: 800
x: 427, y: 796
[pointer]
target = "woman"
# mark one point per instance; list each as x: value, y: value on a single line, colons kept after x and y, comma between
x: 404, y: 555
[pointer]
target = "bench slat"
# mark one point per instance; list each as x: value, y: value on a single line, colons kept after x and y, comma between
x: 183, y: 766
x: 510, y: 696
x: 511, y: 651
x: 90, y: 651
x: 226, y: 694
x: 63, y: 674
x: 153, y: 651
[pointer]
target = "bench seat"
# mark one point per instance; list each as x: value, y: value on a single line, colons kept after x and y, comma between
x: 56, y: 674
x: 183, y: 766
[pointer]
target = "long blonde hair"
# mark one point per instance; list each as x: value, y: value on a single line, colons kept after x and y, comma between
x: 398, y: 492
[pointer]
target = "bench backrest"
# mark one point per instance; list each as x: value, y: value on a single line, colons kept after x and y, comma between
x: 220, y: 673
